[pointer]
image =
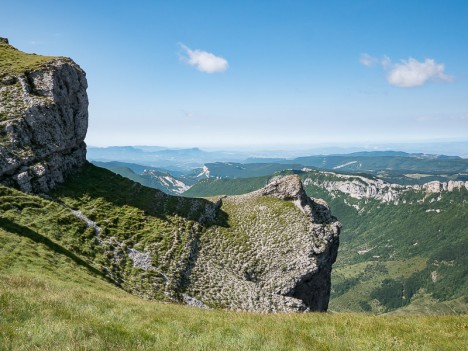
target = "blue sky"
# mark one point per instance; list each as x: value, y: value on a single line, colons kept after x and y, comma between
x: 267, y: 74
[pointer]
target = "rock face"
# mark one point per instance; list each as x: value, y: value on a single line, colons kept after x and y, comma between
x: 365, y: 188
x: 276, y: 255
x: 43, y: 121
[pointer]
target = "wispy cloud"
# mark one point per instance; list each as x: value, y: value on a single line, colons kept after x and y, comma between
x: 458, y: 119
x: 187, y: 114
x: 368, y: 60
x: 408, y: 73
x: 204, y: 61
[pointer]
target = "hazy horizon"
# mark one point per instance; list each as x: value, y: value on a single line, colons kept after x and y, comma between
x: 449, y: 148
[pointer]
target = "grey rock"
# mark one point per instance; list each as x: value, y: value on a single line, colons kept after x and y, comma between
x: 191, y: 301
x: 89, y: 223
x: 277, y: 258
x: 359, y: 187
x: 141, y: 260
x: 44, y: 123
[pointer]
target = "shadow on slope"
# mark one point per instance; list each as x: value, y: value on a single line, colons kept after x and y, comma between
x: 14, y: 228
x: 94, y: 182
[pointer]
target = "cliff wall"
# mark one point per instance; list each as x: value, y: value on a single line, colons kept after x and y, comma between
x: 43, y: 119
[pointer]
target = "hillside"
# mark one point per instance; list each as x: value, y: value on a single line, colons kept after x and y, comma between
x: 391, y: 166
x: 162, y: 247
x: 51, y: 301
x: 402, y: 247
x: 150, y: 177
x: 55, y: 294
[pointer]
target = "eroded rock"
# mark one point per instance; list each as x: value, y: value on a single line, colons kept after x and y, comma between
x: 276, y: 255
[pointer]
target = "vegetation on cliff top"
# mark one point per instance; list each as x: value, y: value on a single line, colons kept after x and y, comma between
x: 14, y: 61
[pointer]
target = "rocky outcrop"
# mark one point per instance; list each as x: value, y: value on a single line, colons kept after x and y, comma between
x: 359, y: 187
x: 43, y: 122
x: 438, y: 187
x: 276, y: 256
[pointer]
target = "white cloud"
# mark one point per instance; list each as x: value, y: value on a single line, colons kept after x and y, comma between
x: 368, y: 60
x: 409, y: 73
x: 204, y: 61
x: 412, y: 73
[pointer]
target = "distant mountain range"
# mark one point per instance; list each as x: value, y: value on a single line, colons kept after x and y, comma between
x: 173, y: 171
x: 390, y: 165
x: 159, y: 157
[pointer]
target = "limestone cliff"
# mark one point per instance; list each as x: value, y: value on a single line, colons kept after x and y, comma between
x: 360, y: 187
x: 43, y: 119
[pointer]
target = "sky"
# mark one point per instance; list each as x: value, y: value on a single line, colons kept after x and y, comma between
x: 264, y: 73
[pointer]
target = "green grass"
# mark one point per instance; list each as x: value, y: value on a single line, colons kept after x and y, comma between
x: 49, y: 302
x: 13, y: 61
x: 131, y: 217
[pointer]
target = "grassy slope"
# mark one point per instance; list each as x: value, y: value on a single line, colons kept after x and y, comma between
x: 49, y: 302
x: 130, y: 216
x: 13, y: 61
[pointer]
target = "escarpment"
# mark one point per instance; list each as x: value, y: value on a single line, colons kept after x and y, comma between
x: 43, y: 119
x: 271, y: 250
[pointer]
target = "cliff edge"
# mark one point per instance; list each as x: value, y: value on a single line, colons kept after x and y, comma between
x: 43, y: 119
